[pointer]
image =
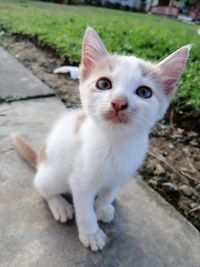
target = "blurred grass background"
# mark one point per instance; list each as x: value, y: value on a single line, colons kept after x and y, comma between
x: 61, y: 27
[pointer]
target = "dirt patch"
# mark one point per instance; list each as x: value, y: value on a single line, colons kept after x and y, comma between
x: 172, y: 166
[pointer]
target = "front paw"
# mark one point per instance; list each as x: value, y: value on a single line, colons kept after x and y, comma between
x: 106, y: 214
x: 60, y: 208
x: 95, y: 242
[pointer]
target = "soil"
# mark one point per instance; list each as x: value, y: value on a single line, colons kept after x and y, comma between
x: 172, y: 166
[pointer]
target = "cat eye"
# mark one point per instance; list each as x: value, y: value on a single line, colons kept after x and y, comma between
x: 144, y: 92
x: 104, y: 84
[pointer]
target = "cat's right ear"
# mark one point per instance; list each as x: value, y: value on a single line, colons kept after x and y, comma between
x: 93, y: 50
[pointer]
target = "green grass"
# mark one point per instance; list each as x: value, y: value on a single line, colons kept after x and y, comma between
x: 150, y: 37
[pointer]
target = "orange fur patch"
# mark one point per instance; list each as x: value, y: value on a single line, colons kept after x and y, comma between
x: 25, y: 150
x: 42, y: 157
x: 79, y: 122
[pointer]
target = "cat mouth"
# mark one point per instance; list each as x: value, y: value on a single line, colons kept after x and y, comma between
x: 117, y: 117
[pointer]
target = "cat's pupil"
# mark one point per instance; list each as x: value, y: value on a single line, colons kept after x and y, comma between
x: 144, y: 92
x: 105, y: 84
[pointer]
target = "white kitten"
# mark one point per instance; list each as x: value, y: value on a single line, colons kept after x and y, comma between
x: 93, y: 151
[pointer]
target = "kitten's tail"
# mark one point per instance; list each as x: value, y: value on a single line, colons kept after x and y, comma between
x: 25, y: 150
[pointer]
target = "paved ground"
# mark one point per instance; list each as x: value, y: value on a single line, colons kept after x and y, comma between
x: 18, y: 82
x: 146, y: 232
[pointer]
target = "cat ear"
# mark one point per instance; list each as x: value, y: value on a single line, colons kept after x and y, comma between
x: 171, y: 69
x: 93, y: 49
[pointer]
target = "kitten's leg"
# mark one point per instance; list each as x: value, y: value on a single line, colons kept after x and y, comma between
x: 103, y: 205
x: 48, y: 185
x: 90, y: 234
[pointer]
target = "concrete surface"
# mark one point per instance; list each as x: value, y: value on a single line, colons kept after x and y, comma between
x: 146, y: 231
x: 18, y: 82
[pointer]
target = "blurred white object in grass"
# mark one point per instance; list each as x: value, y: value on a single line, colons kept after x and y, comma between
x: 72, y: 70
x: 185, y: 19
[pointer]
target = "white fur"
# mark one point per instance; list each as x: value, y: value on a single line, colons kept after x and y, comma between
x: 89, y: 164
x: 95, y: 162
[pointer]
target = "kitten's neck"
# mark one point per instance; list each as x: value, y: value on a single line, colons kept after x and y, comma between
x: 116, y: 132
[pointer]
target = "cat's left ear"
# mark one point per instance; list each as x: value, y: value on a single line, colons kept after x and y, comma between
x: 93, y: 50
x: 171, y: 69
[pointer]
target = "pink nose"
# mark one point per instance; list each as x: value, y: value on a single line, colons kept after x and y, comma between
x: 119, y: 103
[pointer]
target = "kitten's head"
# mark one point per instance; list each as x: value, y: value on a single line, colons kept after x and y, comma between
x: 125, y: 91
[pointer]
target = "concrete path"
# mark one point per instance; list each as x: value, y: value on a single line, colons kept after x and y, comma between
x: 17, y: 82
x: 146, y: 232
